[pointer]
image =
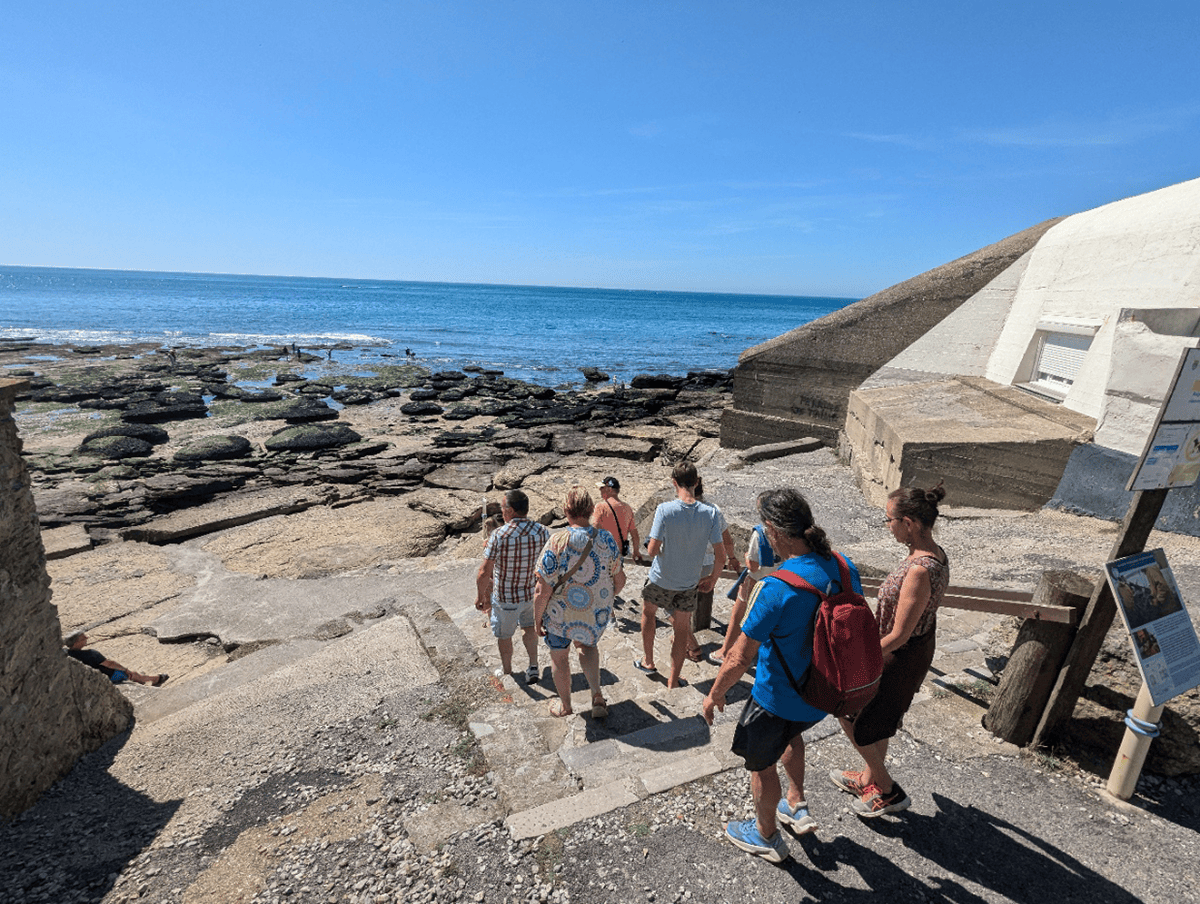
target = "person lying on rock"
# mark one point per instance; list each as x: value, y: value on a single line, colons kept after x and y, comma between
x: 114, y: 670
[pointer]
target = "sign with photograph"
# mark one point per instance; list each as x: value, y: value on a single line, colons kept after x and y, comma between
x: 1164, y: 639
x: 1172, y: 457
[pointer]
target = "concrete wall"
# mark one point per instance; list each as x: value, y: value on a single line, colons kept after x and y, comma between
x: 52, y: 709
x: 961, y: 345
x: 1142, y: 252
x: 798, y: 384
x: 1146, y: 347
x: 994, y: 446
x: 1094, y: 484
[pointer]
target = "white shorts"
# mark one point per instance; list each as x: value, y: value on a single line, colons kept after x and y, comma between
x: 506, y: 621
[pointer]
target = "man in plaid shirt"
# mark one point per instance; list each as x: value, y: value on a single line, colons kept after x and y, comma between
x: 505, y: 581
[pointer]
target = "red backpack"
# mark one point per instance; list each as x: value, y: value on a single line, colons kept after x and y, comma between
x: 846, y: 661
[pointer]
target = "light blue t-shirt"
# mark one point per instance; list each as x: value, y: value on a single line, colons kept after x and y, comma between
x: 685, y: 531
x: 710, y: 557
x: 780, y: 618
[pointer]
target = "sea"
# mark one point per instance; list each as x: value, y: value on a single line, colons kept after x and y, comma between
x: 540, y: 334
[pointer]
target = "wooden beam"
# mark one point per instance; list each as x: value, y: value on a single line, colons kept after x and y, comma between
x: 1097, y: 618
x: 1001, y: 602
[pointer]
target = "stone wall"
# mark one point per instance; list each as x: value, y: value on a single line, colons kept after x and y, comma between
x: 52, y: 709
x: 798, y: 384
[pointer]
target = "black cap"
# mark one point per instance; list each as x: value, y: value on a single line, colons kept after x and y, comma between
x: 611, y: 482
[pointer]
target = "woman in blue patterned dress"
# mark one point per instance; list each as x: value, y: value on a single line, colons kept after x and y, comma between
x: 578, y: 577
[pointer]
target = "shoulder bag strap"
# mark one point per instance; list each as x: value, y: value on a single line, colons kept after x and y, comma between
x: 844, y: 571
x: 574, y: 568
x: 799, y: 583
x: 620, y: 533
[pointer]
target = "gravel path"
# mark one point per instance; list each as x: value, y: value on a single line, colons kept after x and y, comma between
x: 334, y: 779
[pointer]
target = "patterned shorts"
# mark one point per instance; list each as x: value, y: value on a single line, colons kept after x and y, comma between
x: 671, y: 600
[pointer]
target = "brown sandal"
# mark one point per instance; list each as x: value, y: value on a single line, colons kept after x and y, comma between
x: 695, y: 654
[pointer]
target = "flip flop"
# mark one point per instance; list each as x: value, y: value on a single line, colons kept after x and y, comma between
x: 160, y: 680
x: 648, y: 669
x: 683, y: 682
x: 695, y: 654
x: 556, y: 709
x: 600, y: 710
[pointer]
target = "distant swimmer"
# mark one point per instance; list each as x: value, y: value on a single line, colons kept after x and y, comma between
x: 410, y: 353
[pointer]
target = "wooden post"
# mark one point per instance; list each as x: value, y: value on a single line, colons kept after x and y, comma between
x: 1098, y: 618
x: 1035, y: 661
x: 702, y: 617
x: 1136, y: 744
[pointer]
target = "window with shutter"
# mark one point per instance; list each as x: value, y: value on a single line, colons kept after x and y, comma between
x: 1059, y: 359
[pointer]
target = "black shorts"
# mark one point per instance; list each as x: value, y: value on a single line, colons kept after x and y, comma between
x: 902, y: 678
x: 761, y: 737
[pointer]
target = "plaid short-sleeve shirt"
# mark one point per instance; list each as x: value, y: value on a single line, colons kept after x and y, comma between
x: 515, y: 548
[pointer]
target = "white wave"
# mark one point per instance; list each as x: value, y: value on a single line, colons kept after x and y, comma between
x: 299, y: 338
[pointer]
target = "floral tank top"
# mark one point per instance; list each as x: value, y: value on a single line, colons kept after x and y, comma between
x: 889, y: 594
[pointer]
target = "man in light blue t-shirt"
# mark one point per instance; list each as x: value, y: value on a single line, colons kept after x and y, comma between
x: 682, y: 532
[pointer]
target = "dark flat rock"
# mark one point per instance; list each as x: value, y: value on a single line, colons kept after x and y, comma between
x: 117, y: 447
x: 307, y: 437
x: 420, y: 408
x: 214, y: 448
x: 145, y: 432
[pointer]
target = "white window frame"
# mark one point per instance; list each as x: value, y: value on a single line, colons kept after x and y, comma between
x: 1069, y: 343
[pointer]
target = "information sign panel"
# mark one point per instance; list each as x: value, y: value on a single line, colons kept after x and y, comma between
x: 1171, y: 460
x: 1164, y: 639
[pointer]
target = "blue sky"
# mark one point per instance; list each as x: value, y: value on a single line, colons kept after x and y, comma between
x: 779, y: 147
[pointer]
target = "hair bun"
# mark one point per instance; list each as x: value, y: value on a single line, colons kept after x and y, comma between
x: 936, y: 494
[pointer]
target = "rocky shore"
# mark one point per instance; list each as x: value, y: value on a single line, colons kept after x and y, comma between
x: 332, y: 732
x: 116, y: 437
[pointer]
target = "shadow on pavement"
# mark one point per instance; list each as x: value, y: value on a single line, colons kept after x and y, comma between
x: 977, y: 848
x: 80, y: 835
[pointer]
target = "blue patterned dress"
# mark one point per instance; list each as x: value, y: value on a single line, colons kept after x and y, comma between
x: 582, y: 608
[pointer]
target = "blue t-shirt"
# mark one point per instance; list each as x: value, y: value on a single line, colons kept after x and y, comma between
x: 764, y: 555
x: 685, y: 531
x: 782, y: 614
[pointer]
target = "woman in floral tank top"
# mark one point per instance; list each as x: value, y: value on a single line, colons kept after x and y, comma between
x: 908, y: 602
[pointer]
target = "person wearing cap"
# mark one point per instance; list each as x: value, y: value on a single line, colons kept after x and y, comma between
x: 617, y: 518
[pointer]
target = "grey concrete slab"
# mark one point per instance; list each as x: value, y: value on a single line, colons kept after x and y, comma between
x: 560, y: 813
x: 686, y: 769
x: 239, y: 609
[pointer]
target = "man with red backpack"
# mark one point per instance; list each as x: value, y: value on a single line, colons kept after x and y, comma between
x: 777, y: 634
